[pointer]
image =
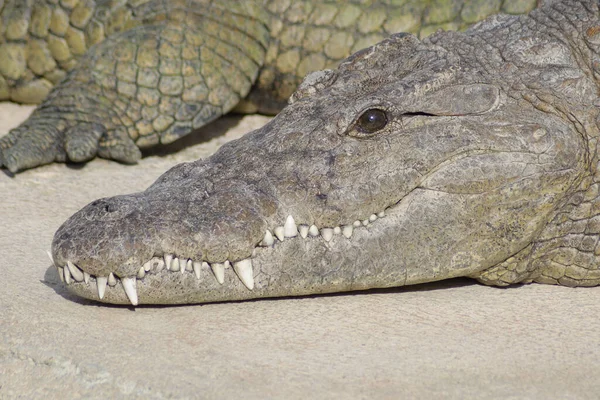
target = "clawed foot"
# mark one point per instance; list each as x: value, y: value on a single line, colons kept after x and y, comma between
x: 40, y: 141
x: 25, y: 148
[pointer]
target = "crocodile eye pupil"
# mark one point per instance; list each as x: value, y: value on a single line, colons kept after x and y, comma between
x: 372, y: 120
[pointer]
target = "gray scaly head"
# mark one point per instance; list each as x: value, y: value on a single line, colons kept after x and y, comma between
x: 414, y: 161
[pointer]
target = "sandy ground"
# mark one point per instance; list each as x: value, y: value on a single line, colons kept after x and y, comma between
x: 454, y: 340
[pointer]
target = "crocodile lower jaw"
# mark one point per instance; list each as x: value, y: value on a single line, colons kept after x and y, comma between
x: 169, y: 267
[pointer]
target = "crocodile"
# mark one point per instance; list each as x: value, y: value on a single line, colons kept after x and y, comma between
x: 468, y: 154
x: 135, y: 74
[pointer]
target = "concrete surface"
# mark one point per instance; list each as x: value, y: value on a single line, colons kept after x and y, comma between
x: 455, y: 339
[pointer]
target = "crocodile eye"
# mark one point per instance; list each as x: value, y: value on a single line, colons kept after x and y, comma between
x: 372, y: 121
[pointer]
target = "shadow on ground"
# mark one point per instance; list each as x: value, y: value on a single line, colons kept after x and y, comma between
x: 202, y: 135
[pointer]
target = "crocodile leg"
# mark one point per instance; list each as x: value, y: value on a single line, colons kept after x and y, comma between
x: 148, y: 85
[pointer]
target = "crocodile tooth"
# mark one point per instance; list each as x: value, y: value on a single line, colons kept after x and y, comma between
x: 175, y: 264
x: 168, y: 258
x: 357, y: 223
x: 303, y: 231
x: 243, y: 269
x: 337, y: 230
x: 129, y: 286
x: 141, y: 273
x: 50, y: 255
x: 112, y: 281
x: 148, y: 265
x: 181, y: 262
x: 279, y: 232
x: 188, y: 266
x: 381, y: 214
x: 61, y: 274
x: 68, y: 278
x: 86, y: 277
x: 313, y: 231
x: 76, y: 273
x: 365, y: 222
x: 268, y: 240
x: 160, y: 265
x: 101, y: 283
x: 372, y: 218
x: 197, y: 268
x: 219, y: 271
x: 347, y: 231
x: 327, y: 234
x: 290, y: 229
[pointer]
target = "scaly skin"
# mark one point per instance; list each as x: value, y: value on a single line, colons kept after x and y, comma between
x: 464, y: 154
x: 159, y: 69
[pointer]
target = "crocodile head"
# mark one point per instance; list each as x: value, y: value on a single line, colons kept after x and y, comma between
x: 414, y: 161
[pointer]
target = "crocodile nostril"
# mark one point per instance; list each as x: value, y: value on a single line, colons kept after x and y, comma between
x: 109, y: 208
